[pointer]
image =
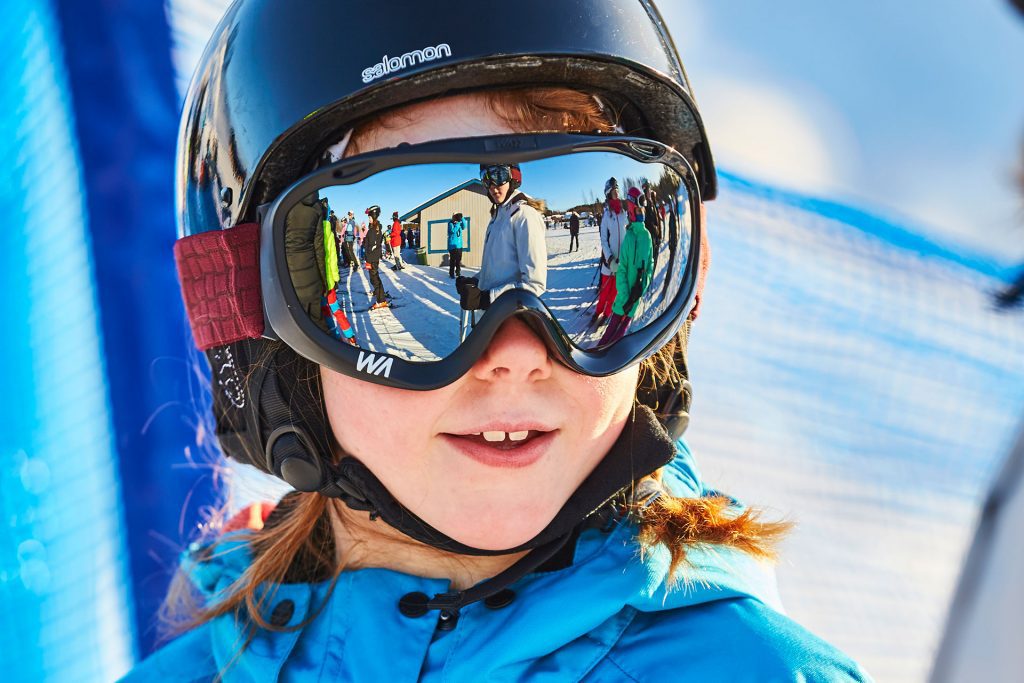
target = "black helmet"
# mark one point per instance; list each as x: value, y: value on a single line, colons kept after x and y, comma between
x: 612, y: 184
x: 373, y: 211
x: 499, y: 174
x: 248, y: 131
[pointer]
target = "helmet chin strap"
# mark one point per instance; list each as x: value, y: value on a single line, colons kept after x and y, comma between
x: 286, y: 410
x: 643, y: 447
x: 291, y: 453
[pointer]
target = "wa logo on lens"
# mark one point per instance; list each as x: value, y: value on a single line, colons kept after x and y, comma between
x: 372, y: 364
x: 391, y: 64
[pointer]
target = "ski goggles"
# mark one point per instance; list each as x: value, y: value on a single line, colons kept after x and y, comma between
x: 498, y: 174
x: 601, y: 293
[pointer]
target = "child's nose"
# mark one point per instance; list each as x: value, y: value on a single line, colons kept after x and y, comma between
x: 515, y: 354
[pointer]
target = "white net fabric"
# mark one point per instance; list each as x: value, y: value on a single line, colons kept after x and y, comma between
x: 853, y: 377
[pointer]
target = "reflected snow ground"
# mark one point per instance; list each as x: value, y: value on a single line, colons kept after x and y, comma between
x: 423, y: 325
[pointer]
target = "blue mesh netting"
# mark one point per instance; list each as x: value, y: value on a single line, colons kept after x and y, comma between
x: 63, y: 582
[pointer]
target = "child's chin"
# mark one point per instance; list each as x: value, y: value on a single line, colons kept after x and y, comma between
x: 498, y: 536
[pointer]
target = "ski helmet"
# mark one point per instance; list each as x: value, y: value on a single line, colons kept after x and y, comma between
x: 612, y: 184
x: 635, y: 204
x: 271, y: 92
x: 373, y: 212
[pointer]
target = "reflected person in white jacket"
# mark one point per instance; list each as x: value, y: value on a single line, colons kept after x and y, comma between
x: 515, y: 252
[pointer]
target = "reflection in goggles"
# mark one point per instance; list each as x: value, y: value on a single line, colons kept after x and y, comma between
x: 603, y: 266
x: 495, y: 175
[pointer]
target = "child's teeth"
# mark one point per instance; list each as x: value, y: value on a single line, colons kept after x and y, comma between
x: 518, y: 436
x: 494, y: 436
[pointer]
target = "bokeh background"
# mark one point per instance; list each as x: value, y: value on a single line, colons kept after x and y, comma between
x: 851, y: 372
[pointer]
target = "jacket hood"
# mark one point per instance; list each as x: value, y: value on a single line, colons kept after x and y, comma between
x: 563, y: 610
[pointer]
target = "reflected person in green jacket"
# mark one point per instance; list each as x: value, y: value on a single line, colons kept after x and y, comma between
x: 636, y: 268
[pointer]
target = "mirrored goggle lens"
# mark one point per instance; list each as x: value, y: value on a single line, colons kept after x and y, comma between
x: 390, y: 286
x: 496, y: 175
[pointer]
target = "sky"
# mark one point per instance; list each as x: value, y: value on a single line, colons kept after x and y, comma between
x: 563, y: 182
x: 909, y: 109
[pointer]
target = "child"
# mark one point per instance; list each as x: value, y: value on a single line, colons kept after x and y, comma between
x: 635, y: 268
x: 534, y: 516
x: 396, y: 242
x: 456, y: 226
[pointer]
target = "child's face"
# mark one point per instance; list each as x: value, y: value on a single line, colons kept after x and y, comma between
x: 414, y: 441
x: 499, y: 192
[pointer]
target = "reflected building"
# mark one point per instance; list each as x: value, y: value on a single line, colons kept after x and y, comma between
x: 468, y: 198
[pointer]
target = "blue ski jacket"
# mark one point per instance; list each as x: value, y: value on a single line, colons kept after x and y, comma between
x: 607, y: 617
x: 455, y: 229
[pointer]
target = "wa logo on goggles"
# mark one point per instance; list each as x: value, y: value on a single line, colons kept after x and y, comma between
x: 391, y: 64
x: 372, y: 364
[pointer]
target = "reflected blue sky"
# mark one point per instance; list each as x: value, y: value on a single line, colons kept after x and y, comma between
x: 563, y: 182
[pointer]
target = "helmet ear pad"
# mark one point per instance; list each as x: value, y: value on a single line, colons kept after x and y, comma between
x: 517, y: 176
x: 261, y: 389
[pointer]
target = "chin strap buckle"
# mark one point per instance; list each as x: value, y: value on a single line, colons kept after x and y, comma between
x: 451, y: 602
x: 291, y: 455
x: 674, y: 411
x: 349, y: 494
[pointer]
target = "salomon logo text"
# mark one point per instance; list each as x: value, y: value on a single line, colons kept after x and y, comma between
x: 392, y: 64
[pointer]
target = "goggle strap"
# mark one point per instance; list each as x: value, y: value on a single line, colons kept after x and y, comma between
x: 219, y: 273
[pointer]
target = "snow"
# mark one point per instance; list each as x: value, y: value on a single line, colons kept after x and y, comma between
x: 424, y: 323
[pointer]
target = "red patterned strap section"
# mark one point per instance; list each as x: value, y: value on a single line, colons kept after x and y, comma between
x: 219, y: 273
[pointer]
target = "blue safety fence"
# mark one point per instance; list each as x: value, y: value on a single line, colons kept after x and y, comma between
x: 64, y: 582
x: 126, y: 108
x: 99, y: 483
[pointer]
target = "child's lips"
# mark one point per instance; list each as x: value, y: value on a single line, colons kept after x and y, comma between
x: 503, y: 440
x: 506, y: 453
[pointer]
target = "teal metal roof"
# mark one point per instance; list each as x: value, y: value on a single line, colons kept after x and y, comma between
x: 440, y: 197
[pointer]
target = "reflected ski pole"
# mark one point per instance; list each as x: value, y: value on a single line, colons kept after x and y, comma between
x: 467, y: 321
